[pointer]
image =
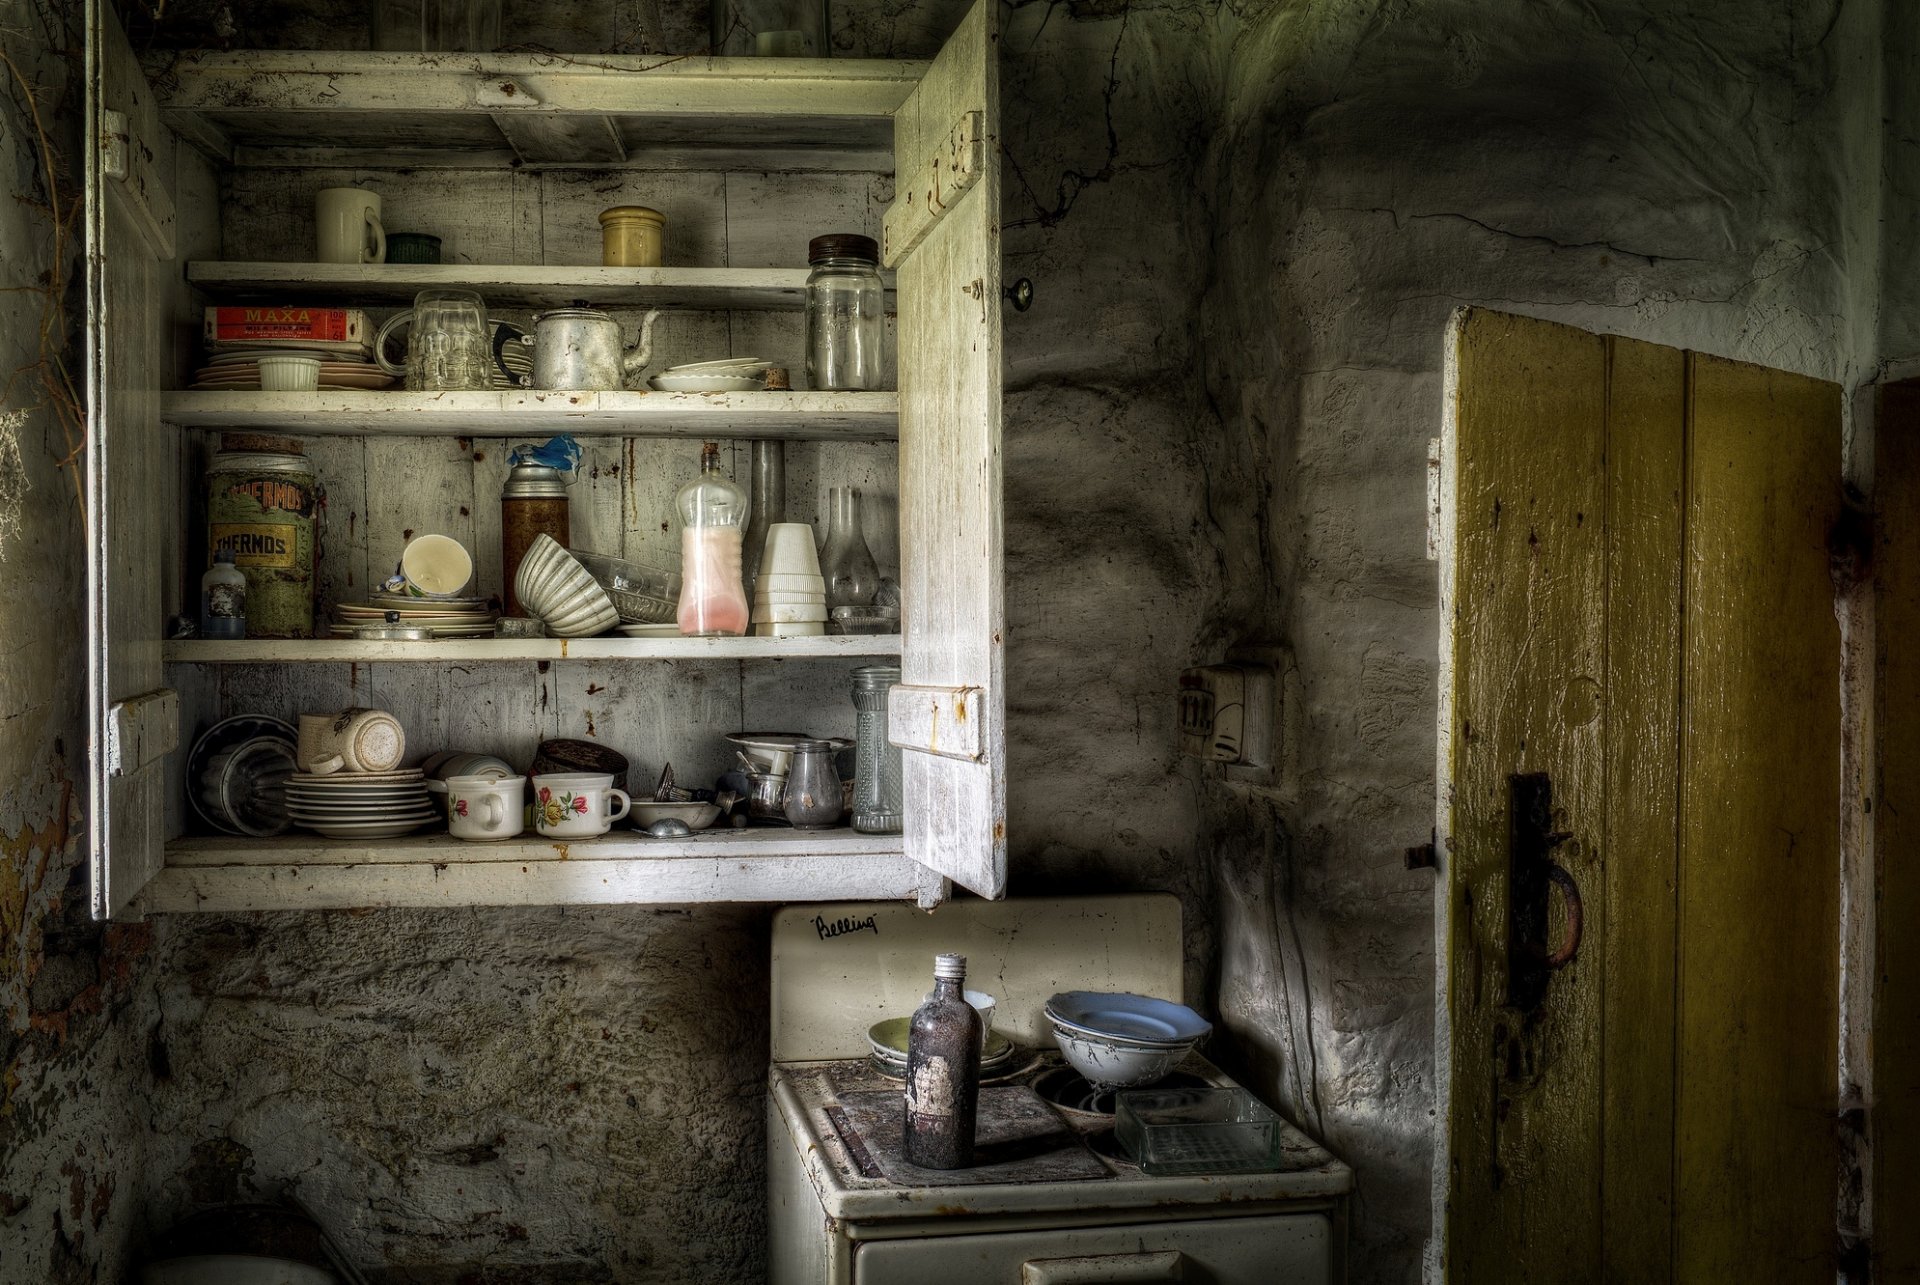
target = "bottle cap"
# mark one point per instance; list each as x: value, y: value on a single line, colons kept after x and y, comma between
x: 950, y: 967
x: 843, y: 245
x: 224, y: 555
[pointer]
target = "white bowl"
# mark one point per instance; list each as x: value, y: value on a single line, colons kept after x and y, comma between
x: 707, y: 383
x: 1110, y: 1064
x: 552, y: 585
x: 289, y: 374
x: 698, y: 816
x: 439, y: 566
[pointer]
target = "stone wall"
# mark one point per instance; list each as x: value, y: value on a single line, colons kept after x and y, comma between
x: 72, y: 999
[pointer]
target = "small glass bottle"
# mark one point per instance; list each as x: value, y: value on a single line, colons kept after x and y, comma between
x: 713, y: 599
x: 876, y: 761
x: 847, y: 565
x: 846, y: 313
x: 943, y: 1072
x: 223, y: 599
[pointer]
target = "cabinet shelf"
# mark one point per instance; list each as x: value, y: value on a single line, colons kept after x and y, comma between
x: 843, y: 417
x: 454, y: 108
x: 711, y: 289
x: 307, y: 872
x: 259, y: 651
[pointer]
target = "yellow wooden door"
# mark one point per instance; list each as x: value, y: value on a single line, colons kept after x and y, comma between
x: 1640, y: 738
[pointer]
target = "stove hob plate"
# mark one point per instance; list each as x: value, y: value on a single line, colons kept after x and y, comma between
x: 1018, y: 1139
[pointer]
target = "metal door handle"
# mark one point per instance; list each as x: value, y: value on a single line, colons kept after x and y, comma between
x: 1553, y: 961
x: 1106, y: 1269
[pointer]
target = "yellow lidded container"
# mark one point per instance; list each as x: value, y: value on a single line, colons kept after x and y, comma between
x: 631, y: 236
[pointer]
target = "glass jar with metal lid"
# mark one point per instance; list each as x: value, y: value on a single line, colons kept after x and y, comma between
x: 846, y: 313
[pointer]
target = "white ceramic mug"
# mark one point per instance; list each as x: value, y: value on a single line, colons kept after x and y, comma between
x: 347, y: 226
x: 576, y: 805
x: 354, y: 740
x: 484, y: 808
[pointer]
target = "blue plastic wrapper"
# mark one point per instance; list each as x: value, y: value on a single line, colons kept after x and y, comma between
x: 560, y: 452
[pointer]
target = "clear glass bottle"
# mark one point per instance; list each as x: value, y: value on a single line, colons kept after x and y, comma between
x: 713, y: 512
x: 767, y: 503
x: 876, y: 761
x: 846, y: 313
x: 223, y: 599
x: 943, y: 1072
x: 846, y: 564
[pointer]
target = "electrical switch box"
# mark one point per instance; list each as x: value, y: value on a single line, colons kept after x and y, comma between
x: 1226, y: 714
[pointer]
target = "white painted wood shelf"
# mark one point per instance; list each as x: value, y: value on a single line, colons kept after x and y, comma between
x: 259, y: 106
x: 709, y: 289
x: 274, y: 651
x: 307, y: 872
x: 843, y: 417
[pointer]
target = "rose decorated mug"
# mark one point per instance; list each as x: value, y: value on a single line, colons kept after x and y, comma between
x: 576, y: 805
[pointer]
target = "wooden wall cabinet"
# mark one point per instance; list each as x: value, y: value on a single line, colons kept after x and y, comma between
x: 200, y: 172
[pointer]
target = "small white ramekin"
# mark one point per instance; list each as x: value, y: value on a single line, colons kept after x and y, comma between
x: 289, y: 374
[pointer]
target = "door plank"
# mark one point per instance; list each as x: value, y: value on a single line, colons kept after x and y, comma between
x: 1759, y: 831
x: 1529, y: 595
x: 1646, y: 416
x: 1896, y: 816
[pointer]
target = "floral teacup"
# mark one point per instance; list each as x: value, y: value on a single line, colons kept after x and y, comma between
x: 576, y: 805
x: 486, y: 807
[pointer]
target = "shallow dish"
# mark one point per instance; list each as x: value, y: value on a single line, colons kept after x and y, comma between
x: 888, y: 1040
x: 705, y: 383
x: 726, y: 365
x: 1110, y: 1064
x: 651, y: 631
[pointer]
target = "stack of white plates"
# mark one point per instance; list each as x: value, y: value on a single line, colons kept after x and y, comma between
x: 728, y: 375
x: 789, y: 606
x: 360, y: 805
x: 238, y: 371
x: 442, y: 617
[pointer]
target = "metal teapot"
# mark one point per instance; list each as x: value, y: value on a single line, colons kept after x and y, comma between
x: 580, y: 349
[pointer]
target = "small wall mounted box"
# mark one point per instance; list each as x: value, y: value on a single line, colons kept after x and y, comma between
x: 1226, y: 714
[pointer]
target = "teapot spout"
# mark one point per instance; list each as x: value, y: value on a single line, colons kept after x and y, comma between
x: 641, y: 353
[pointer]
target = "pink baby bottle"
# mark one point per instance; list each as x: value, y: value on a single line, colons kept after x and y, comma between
x: 713, y: 513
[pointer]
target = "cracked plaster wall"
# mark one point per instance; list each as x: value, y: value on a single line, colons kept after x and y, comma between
x: 72, y: 1007
x: 1702, y: 174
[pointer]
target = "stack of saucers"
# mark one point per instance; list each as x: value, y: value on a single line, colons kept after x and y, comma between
x: 728, y: 375
x: 789, y: 594
x: 441, y: 617
x: 888, y: 1040
x: 360, y: 805
x: 240, y: 371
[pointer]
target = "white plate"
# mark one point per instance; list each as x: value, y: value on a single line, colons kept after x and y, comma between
x: 704, y: 384
x: 722, y: 366
x: 335, y: 780
x: 252, y: 355
x: 364, y: 829
x: 797, y: 630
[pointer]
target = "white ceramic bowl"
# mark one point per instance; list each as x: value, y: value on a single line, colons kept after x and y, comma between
x: 552, y: 585
x: 289, y: 374
x: 1113, y: 1064
x: 789, y: 551
x: 698, y: 816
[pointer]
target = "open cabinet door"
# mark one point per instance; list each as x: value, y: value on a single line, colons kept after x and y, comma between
x: 133, y: 722
x: 943, y: 237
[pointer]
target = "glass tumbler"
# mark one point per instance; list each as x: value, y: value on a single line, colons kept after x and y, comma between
x: 449, y: 345
x: 876, y: 761
x: 846, y: 313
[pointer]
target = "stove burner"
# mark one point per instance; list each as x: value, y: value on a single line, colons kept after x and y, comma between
x: 1068, y: 1089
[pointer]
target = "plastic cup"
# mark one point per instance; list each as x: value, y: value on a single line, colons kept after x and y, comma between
x: 789, y: 551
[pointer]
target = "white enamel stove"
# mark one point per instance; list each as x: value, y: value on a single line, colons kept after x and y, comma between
x: 1054, y: 1201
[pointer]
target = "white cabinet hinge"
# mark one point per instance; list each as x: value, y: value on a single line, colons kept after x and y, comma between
x: 142, y: 730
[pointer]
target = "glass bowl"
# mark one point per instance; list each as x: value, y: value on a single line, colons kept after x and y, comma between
x: 643, y: 595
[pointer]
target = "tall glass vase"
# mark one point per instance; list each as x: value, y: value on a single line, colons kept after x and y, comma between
x: 852, y: 576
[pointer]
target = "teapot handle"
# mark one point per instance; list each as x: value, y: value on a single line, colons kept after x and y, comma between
x: 504, y: 334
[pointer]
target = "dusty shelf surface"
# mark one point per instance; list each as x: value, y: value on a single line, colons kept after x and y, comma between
x: 711, y: 289
x: 302, y: 871
x: 857, y: 417
x: 256, y: 651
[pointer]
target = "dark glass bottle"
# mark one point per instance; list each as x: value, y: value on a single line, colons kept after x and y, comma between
x: 943, y: 1072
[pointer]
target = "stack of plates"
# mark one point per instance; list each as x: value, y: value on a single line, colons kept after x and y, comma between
x: 442, y: 617
x: 888, y: 1040
x: 360, y: 805
x: 728, y: 375
x: 238, y: 370
x: 789, y: 606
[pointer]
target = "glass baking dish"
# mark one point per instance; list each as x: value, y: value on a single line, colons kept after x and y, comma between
x: 1188, y: 1131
